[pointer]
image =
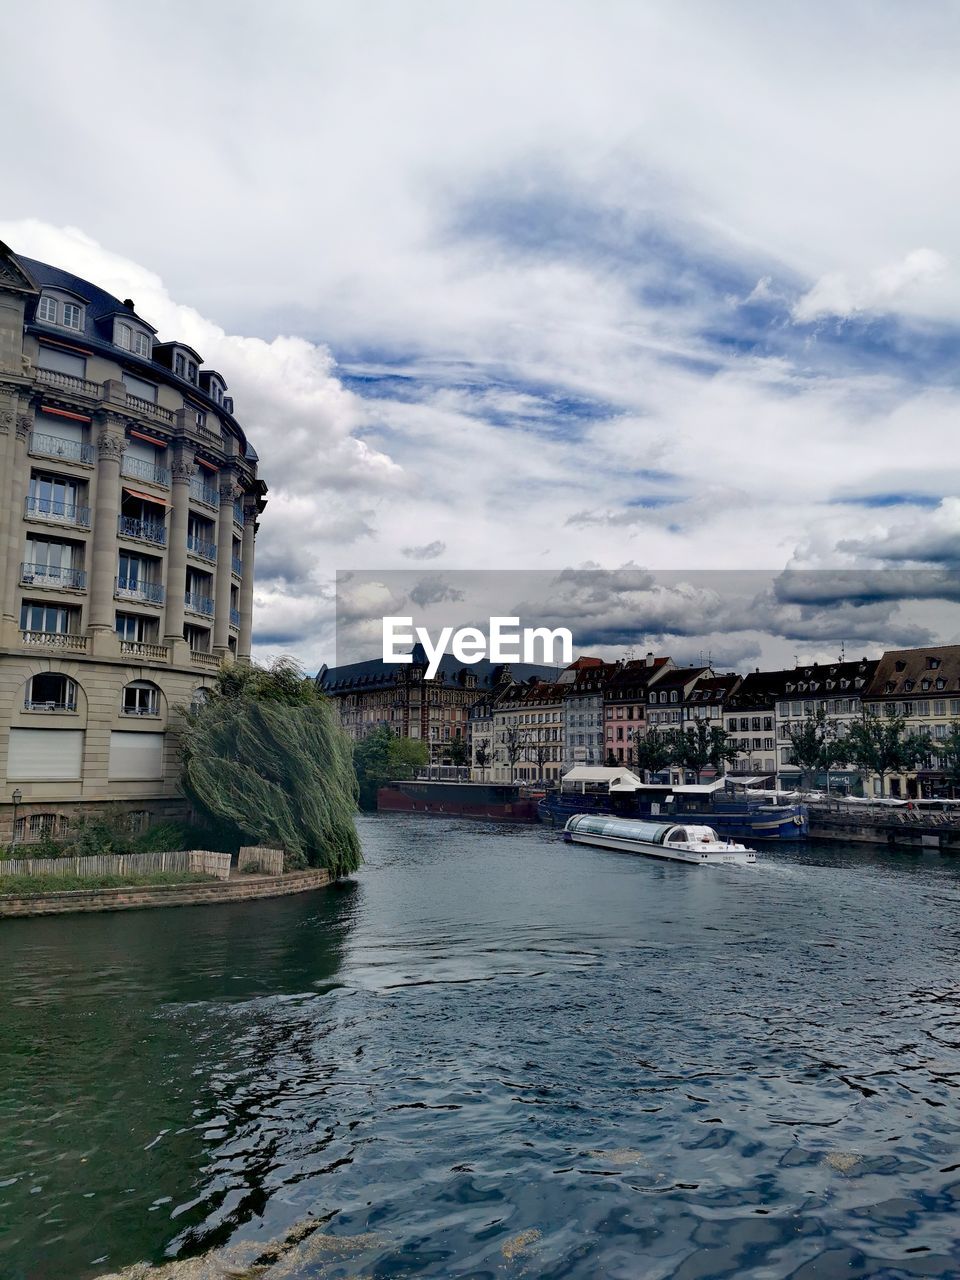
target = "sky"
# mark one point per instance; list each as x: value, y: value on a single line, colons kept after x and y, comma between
x: 540, y: 286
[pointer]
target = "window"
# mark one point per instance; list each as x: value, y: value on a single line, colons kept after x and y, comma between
x: 48, y: 619
x: 47, y: 310
x: 47, y: 826
x: 124, y: 336
x: 191, y: 371
x: 138, y: 387
x: 141, y: 344
x: 50, y: 691
x: 134, y: 629
x: 140, y: 698
x: 62, y: 362
x: 72, y: 316
x: 180, y: 365
x: 53, y: 495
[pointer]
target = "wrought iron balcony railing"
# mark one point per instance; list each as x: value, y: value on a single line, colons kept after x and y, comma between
x: 65, y: 450
x: 136, y: 589
x: 53, y: 575
x: 201, y: 547
x: 143, y: 530
x: 139, y: 469
x: 198, y: 603
x: 234, y: 617
x: 66, y: 512
x: 205, y: 493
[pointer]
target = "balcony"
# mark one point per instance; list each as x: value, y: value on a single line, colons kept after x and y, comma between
x: 143, y: 530
x: 53, y: 640
x: 68, y: 705
x: 145, y: 649
x: 152, y: 410
x: 45, y: 446
x: 236, y: 564
x: 235, y: 617
x: 52, y: 575
x: 238, y: 514
x: 137, y: 589
x: 62, y: 512
x: 201, y: 547
x: 138, y: 469
x: 67, y: 382
x: 198, y: 603
x: 205, y: 493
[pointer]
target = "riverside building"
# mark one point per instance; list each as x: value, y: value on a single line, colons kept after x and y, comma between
x: 129, y: 501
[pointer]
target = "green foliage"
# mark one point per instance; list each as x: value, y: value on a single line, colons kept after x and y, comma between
x: 653, y: 751
x: 29, y: 886
x: 814, y: 744
x: 264, y: 756
x: 380, y: 757
x: 882, y: 745
x: 483, y: 756
x: 458, y: 751
x: 948, y: 749
x: 703, y: 745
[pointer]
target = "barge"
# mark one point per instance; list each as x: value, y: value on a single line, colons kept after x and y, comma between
x: 484, y: 801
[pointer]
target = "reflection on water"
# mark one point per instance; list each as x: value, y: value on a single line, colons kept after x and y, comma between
x: 494, y: 1054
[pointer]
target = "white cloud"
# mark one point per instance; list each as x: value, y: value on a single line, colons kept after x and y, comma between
x: 837, y: 294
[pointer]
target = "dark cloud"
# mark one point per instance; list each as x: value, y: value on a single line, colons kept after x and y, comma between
x: 428, y: 552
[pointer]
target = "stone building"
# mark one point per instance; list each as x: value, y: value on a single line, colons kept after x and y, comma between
x: 625, y: 694
x: 528, y: 732
x: 129, y: 501
x: 923, y: 686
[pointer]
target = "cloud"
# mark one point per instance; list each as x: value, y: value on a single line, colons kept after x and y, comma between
x: 428, y: 552
x: 836, y: 294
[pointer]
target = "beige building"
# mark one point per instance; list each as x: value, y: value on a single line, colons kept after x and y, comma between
x: 128, y: 514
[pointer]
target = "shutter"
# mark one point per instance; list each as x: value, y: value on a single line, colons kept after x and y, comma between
x: 49, y: 424
x: 142, y: 451
x: 137, y: 387
x: 62, y: 362
x: 135, y: 756
x: 45, y: 755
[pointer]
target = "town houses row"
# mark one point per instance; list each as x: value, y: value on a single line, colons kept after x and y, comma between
x: 532, y: 724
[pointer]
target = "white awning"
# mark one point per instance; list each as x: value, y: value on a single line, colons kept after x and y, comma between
x: 615, y: 779
x: 701, y: 788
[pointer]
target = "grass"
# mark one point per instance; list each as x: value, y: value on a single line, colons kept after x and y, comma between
x: 32, y: 886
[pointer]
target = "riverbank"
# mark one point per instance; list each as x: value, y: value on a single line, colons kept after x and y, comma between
x: 193, y: 892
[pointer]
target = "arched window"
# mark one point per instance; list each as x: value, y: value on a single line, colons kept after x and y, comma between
x: 50, y: 691
x: 140, y: 698
x: 200, y: 698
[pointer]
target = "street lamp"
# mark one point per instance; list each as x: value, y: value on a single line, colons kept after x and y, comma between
x: 16, y: 798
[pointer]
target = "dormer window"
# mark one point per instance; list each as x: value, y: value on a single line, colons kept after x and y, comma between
x: 52, y: 310
x: 925, y: 684
x: 130, y: 339
x: 180, y: 365
x: 940, y: 683
x: 141, y: 344
x: 900, y: 665
x: 932, y: 664
x: 191, y: 371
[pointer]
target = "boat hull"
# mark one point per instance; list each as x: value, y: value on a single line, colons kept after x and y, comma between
x: 483, y: 802
x: 735, y: 858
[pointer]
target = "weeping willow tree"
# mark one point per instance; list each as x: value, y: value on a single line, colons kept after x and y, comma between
x: 264, y: 754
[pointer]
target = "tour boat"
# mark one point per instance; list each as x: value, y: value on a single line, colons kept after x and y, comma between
x: 694, y: 844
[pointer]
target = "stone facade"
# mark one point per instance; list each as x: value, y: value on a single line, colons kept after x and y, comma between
x: 129, y: 500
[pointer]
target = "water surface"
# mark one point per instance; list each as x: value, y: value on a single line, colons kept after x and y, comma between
x: 494, y: 1055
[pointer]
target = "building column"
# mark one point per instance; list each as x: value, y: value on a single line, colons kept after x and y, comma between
x: 103, y: 568
x: 182, y: 472
x: 246, y: 581
x: 221, y: 620
x: 12, y: 542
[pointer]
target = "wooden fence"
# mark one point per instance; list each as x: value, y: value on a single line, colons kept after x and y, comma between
x: 267, y: 861
x: 122, y: 864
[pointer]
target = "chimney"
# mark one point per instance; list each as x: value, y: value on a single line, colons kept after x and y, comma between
x: 649, y: 659
x: 128, y: 303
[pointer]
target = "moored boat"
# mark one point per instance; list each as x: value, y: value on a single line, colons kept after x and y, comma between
x: 732, y: 810
x: 485, y: 801
x: 697, y: 845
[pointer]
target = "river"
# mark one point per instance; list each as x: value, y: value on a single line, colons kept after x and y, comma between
x: 491, y: 1054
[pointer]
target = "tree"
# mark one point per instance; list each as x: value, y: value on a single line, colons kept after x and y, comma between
x: 458, y: 751
x: 814, y: 745
x: 515, y: 742
x: 382, y: 757
x: 948, y: 749
x: 539, y: 752
x: 701, y: 745
x: 264, y: 755
x: 880, y: 744
x: 653, y: 751
x: 483, y: 756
